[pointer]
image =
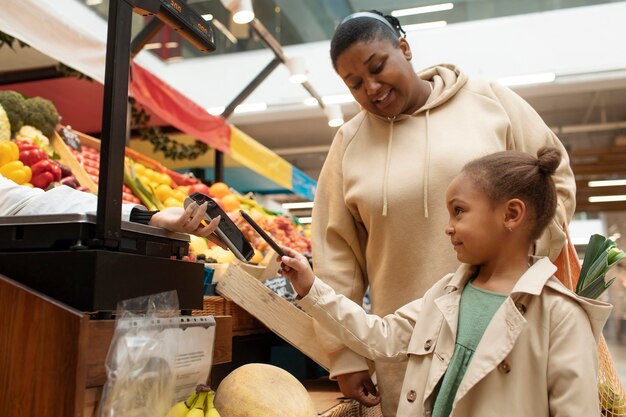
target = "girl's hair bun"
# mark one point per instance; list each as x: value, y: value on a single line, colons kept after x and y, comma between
x: 548, y: 159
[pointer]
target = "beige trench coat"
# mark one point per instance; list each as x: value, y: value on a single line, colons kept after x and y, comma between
x: 536, y: 358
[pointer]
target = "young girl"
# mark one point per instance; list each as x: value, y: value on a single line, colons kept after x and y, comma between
x: 501, y: 336
x: 376, y: 219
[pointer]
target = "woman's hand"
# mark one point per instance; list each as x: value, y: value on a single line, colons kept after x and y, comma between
x: 296, y: 267
x: 359, y: 386
x: 188, y: 220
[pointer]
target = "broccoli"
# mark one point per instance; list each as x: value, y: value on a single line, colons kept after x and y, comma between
x: 14, y: 104
x: 41, y: 114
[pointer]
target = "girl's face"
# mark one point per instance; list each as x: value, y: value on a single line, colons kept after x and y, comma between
x: 476, y: 224
x: 380, y: 77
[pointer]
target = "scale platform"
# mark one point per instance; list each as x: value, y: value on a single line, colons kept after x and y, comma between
x: 59, y: 256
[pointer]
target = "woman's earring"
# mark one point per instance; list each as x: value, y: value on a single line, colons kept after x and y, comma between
x: 509, y: 228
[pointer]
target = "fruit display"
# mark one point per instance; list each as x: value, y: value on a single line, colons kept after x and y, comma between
x: 199, y: 404
x: 281, y: 228
x: 262, y: 390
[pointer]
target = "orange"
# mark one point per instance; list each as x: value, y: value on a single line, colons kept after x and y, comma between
x: 230, y: 203
x: 257, y: 258
x: 219, y: 190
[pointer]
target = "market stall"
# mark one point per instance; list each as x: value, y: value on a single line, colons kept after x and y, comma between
x: 84, y: 162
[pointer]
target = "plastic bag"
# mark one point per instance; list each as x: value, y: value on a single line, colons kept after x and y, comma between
x: 141, y: 359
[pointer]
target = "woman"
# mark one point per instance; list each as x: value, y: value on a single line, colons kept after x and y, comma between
x: 376, y: 220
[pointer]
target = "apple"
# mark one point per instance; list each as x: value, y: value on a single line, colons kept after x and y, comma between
x: 198, y: 188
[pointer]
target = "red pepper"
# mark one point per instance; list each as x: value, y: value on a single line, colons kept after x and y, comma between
x: 30, y: 153
x: 44, y: 173
x: 25, y: 145
x: 32, y: 156
x: 43, y: 180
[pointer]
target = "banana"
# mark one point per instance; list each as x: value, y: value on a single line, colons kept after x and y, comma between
x: 196, y: 410
x: 180, y: 409
x: 211, y: 411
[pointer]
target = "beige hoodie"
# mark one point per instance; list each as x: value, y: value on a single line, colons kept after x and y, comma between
x: 380, y: 211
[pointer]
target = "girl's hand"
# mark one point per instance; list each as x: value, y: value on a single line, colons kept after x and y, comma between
x: 188, y: 220
x: 296, y: 267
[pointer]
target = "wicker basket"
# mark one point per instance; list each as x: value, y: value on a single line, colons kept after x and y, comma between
x: 351, y: 408
x: 215, y: 305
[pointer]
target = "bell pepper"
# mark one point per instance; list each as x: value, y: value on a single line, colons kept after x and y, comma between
x: 9, y: 152
x: 45, y: 172
x: 17, y: 172
x: 30, y: 153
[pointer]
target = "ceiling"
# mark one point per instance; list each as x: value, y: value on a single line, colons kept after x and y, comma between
x: 588, y: 116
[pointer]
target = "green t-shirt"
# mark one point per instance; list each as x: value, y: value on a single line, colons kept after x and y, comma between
x: 477, y: 308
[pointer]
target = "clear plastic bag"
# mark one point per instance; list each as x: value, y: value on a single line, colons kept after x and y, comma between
x: 142, y: 357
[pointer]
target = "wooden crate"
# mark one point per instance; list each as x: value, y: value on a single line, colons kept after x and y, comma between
x: 243, y: 322
x: 278, y: 314
x: 68, y: 158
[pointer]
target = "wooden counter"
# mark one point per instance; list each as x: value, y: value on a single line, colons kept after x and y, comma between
x: 52, y: 356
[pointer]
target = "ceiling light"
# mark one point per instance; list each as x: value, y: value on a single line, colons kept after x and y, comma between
x: 423, y: 26
x: 241, y: 10
x: 93, y: 2
x: 207, y: 16
x: 304, y: 220
x: 216, y: 111
x: 422, y: 10
x: 606, y: 183
x: 153, y: 45
x: 540, y: 78
x: 295, y: 206
x: 171, y: 45
x: 311, y: 101
x: 338, y: 99
x: 297, y: 70
x: 607, y: 198
x: 251, y: 107
x: 334, y: 115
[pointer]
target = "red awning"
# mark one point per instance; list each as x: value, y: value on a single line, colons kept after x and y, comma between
x: 179, y: 111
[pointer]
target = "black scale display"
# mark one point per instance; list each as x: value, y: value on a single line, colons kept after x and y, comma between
x: 93, y: 261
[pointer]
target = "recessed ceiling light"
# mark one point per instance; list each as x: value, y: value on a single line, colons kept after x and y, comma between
x: 606, y: 183
x: 422, y: 10
x: 295, y: 206
x: 607, y: 198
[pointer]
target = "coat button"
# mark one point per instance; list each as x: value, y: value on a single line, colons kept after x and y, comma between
x: 411, y: 396
x: 504, y: 367
x: 428, y: 344
x: 521, y: 308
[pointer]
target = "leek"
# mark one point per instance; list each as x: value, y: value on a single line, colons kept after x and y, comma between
x: 600, y: 256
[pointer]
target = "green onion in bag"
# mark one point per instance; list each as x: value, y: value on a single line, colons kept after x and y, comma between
x: 601, y: 255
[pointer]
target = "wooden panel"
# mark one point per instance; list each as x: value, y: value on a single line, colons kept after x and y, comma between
x: 599, y: 168
x: 278, y: 314
x: 597, y: 151
x: 593, y: 207
x: 101, y: 333
x: 68, y: 158
x: 39, y: 354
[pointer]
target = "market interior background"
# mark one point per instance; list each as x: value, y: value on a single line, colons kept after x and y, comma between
x: 565, y: 57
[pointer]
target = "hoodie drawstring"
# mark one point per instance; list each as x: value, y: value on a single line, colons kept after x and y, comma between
x: 387, y: 163
x: 426, y: 165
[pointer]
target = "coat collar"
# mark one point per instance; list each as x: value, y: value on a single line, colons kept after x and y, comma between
x: 531, y: 282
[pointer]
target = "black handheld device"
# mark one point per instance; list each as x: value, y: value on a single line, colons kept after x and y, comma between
x: 262, y: 232
x: 226, y: 230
